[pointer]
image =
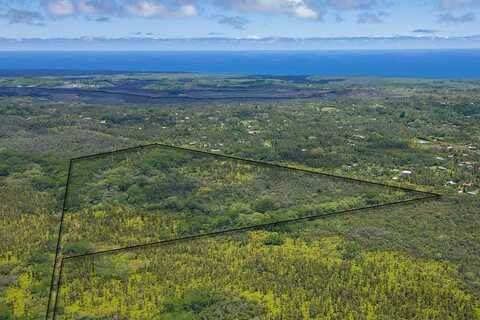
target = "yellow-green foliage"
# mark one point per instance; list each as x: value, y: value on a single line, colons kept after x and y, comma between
x: 18, y: 295
x: 291, y: 279
x: 27, y: 223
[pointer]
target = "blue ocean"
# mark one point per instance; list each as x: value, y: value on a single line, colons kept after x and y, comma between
x: 391, y: 63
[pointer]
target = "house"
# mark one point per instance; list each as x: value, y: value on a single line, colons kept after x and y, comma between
x: 405, y: 173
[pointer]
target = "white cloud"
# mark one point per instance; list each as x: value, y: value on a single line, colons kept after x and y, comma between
x: 297, y: 8
x: 303, y: 11
x: 139, y: 8
x: 156, y: 9
x: 86, y: 7
x: 188, y: 10
x: 308, y: 9
x: 146, y: 9
x: 61, y: 7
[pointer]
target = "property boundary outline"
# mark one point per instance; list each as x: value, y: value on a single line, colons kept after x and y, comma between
x: 53, y: 295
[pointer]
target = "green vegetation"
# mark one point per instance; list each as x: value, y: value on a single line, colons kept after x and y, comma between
x: 158, y: 193
x: 418, y: 261
x: 248, y: 278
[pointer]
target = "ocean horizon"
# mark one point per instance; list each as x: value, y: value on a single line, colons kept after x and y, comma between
x: 461, y: 63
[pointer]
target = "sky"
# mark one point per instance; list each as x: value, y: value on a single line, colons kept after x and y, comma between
x: 111, y: 21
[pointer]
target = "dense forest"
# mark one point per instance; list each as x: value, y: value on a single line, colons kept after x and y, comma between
x: 262, y: 275
x: 138, y: 197
x: 414, y: 261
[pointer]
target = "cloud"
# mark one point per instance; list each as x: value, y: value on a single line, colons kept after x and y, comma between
x: 122, y: 8
x: 458, y: 4
x: 100, y: 10
x: 353, y: 4
x: 97, y: 7
x: 16, y: 16
x: 297, y: 8
x: 143, y: 34
x: 157, y: 9
x: 424, y: 31
x: 188, y: 10
x: 371, y: 17
x: 456, y: 19
x: 60, y: 8
x: 235, y: 22
x: 65, y: 8
x: 146, y: 9
x: 246, y: 43
x: 307, y: 9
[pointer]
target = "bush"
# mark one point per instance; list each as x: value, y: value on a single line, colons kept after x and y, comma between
x: 265, y: 204
x: 273, y: 239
